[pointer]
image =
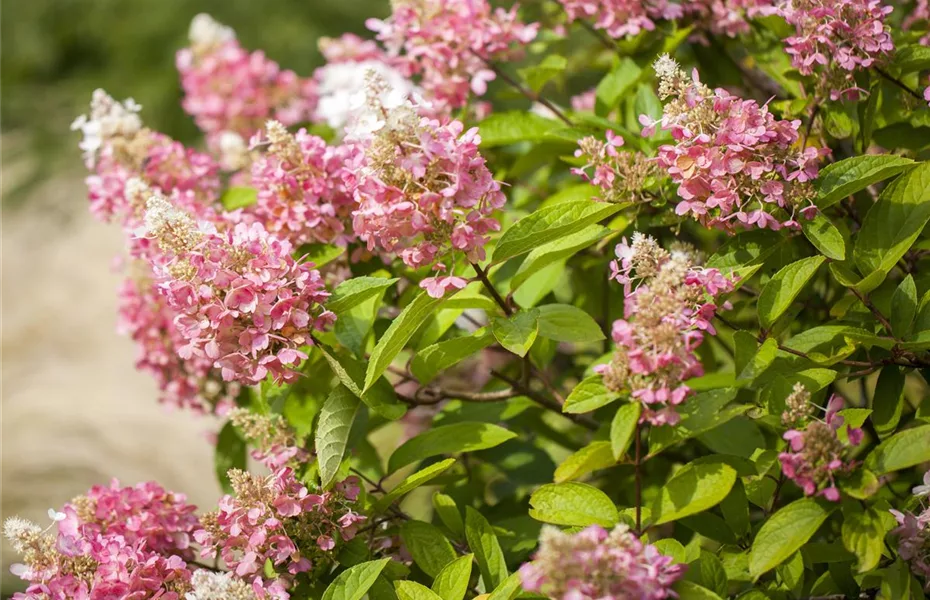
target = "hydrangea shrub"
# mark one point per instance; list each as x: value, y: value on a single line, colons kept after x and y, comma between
x: 581, y: 300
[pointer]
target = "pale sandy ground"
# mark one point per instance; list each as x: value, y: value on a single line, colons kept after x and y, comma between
x: 75, y: 412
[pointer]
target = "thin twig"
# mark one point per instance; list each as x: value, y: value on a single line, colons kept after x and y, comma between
x: 898, y: 83
x: 875, y: 312
x: 534, y: 96
x: 546, y: 402
x: 483, y: 276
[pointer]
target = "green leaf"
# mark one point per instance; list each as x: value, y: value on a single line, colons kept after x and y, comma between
x: 823, y: 234
x: 411, y: 590
x: 735, y: 509
x: 688, y: 590
x: 549, y: 224
x: 784, y: 287
x: 567, y: 323
x: 848, y: 176
x: 517, y: 332
x: 353, y: 292
x: 332, y: 432
x: 593, y: 457
x: 902, y: 450
x: 430, y: 549
x: 913, y: 58
x: 903, y: 306
x: 542, y: 256
x: 791, y: 572
x: 693, y: 489
x: 623, y: 427
x: 573, y: 504
x: 412, y: 482
x: 230, y: 454
x: 320, y: 254
x: 398, y: 334
x: 894, y: 222
x: 699, y: 414
x: 746, y: 248
x: 761, y: 360
x: 381, y: 398
x: 863, y: 535
x: 467, y: 436
x: 713, y: 574
x: 452, y: 582
x: 354, y: 582
x: 449, y: 514
x: 503, y: 128
x: 589, y: 395
x: 508, y: 589
x: 613, y: 86
x: 785, y: 532
x: 434, y: 359
x: 238, y: 197
x: 888, y: 401
x: 483, y: 542
x: 537, y: 76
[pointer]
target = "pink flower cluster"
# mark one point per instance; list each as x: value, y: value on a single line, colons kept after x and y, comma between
x: 628, y: 18
x: 595, y: 564
x: 834, y: 38
x: 277, y: 519
x: 920, y: 13
x: 301, y: 194
x: 815, y: 454
x: 623, y: 176
x: 127, y: 543
x: 242, y: 300
x: 735, y: 164
x: 423, y: 189
x: 913, y: 533
x: 448, y: 44
x: 228, y: 89
x: 665, y: 319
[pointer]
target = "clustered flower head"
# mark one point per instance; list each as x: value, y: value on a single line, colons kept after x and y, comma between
x: 835, y: 38
x: 668, y: 307
x: 301, y: 194
x: 242, y: 300
x: 623, y: 176
x: 628, y: 18
x: 595, y: 564
x: 735, y: 164
x: 275, y: 445
x: 111, y: 543
x: 228, y: 89
x: 423, y: 190
x: 448, y: 44
x: 913, y: 533
x: 207, y: 585
x: 276, y: 518
x: 815, y: 454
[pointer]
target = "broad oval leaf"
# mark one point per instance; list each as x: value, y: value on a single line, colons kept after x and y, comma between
x: 452, y: 581
x: 449, y: 439
x: 412, y: 482
x: 573, y: 504
x: 785, y: 532
x: 430, y: 361
x: 848, y: 176
x: 903, y: 306
x: 517, y: 332
x: 902, y: 450
x: 567, y: 323
x: 354, y: 582
x: 823, y: 234
x: 688, y: 590
x: 589, y: 395
x: 693, y: 489
x: 411, y: 590
x: 784, y: 287
x: 595, y: 456
x: 430, y: 549
x: 353, y: 292
x: 332, y: 432
x: 863, y: 535
x: 502, y: 128
x: 235, y: 198
x: 550, y: 223
x: 483, y: 543
x: 508, y: 589
x: 547, y: 254
x: 398, y: 334
x: 623, y: 427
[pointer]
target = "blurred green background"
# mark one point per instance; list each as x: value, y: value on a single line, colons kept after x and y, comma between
x: 56, y: 52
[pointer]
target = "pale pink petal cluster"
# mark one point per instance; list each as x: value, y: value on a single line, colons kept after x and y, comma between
x: 815, y: 454
x: 277, y: 519
x: 913, y: 535
x: 595, y: 564
x: 423, y: 190
x: 835, y: 38
x: 735, y: 164
x: 447, y: 44
x: 228, y: 89
x: 301, y: 194
x: 242, y: 300
x: 668, y: 307
x: 623, y: 176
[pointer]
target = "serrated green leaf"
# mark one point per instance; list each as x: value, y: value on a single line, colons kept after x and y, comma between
x: 560, y: 249
x: 430, y: 549
x: 623, y: 427
x: 902, y: 450
x: 381, y: 398
x: 412, y: 482
x: 332, y: 432
x: 595, y: 456
x: 483, y: 543
x: 913, y: 58
x: 863, y: 535
x: 846, y: 177
x: 434, y: 359
x: 573, y: 504
x: 517, y: 332
x: 785, y: 532
x: 693, y: 489
x: 452, y: 582
x: 467, y: 436
x: 589, y: 395
x: 354, y: 582
x: 353, y: 292
x: 784, y: 287
x: 615, y: 83
x: 823, y: 234
x: 567, y: 323
x: 549, y: 224
x: 398, y: 334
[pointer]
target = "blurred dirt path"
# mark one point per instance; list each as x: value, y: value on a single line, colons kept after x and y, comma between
x: 75, y: 412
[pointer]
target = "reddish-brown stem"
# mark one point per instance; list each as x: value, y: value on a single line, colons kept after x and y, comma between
x: 483, y: 277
